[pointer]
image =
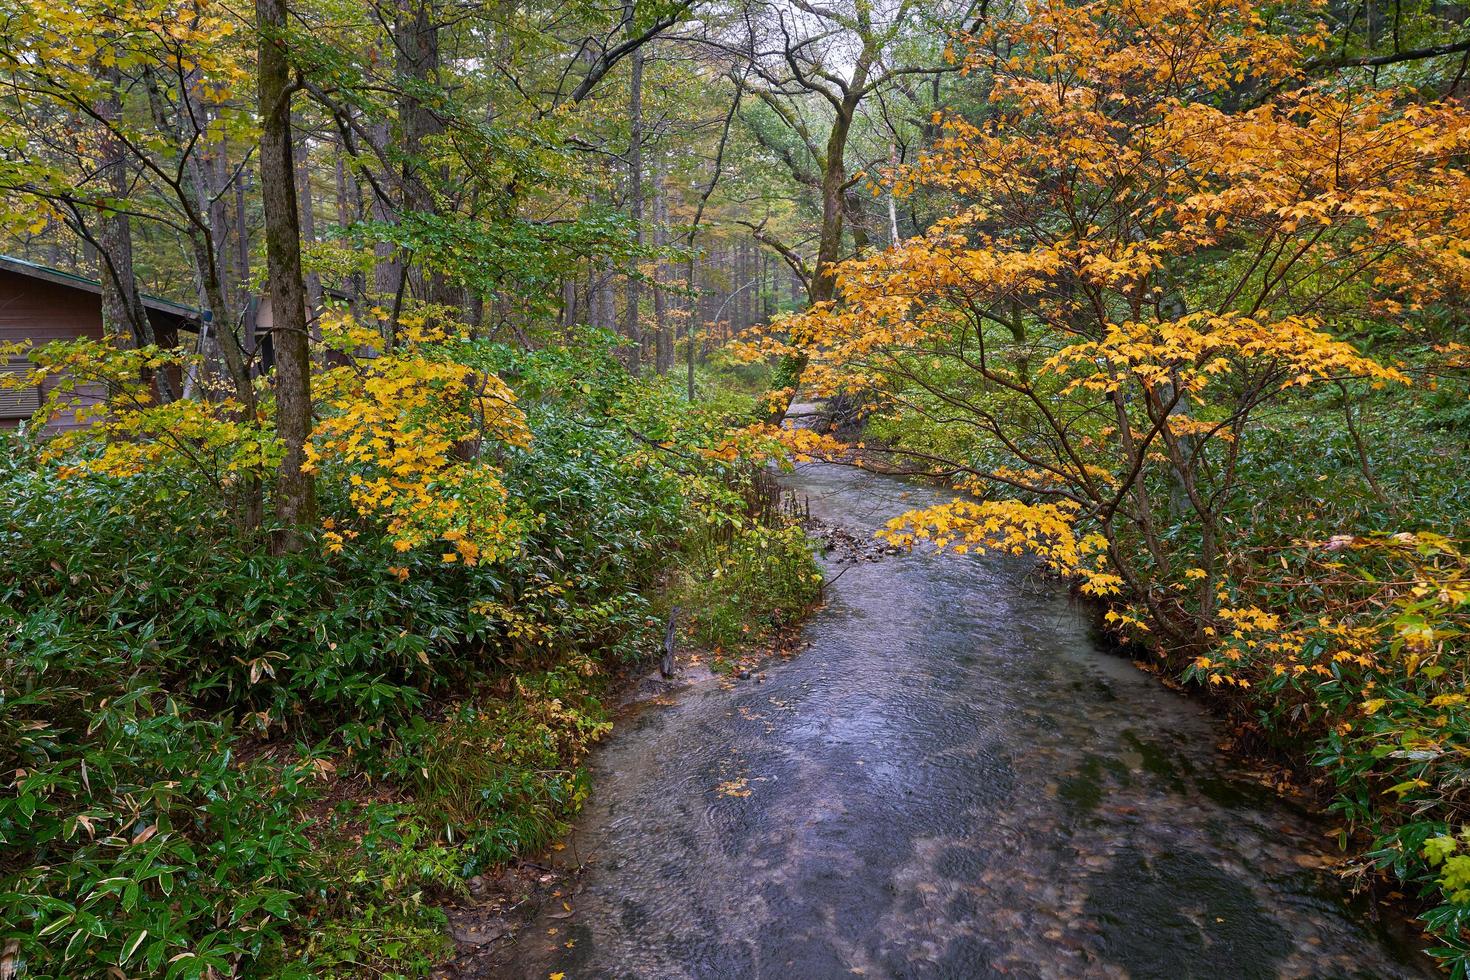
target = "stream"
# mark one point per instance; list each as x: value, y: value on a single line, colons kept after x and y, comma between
x: 955, y: 779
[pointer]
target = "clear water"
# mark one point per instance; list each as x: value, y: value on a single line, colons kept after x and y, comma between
x: 954, y: 780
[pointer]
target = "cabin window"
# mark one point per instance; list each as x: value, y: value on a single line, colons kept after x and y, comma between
x: 18, y: 403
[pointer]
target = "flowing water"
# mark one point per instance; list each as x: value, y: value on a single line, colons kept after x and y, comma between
x: 955, y: 780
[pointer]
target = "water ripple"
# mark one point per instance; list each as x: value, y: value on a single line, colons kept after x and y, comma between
x: 953, y: 781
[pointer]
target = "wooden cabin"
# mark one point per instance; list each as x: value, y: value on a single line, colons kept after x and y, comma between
x: 40, y: 304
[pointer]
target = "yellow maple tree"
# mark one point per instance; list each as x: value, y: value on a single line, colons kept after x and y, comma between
x: 1158, y: 227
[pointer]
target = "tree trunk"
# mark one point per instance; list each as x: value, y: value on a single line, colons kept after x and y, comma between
x: 219, y: 218
x: 308, y: 222
x: 604, y: 313
x: 123, y: 313
x: 416, y: 31
x: 295, y: 496
x: 663, y: 358
x: 787, y: 376
x: 892, y: 202
x: 349, y: 212
x: 568, y: 304
x: 694, y: 305
x: 250, y: 342
x: 385, y: 254
x: 766, y: 289
x: 635, y: 206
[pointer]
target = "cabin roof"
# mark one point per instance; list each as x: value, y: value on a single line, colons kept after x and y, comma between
x: 10, y: 263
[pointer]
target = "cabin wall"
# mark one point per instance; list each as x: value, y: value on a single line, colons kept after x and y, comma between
x: 37, y: 312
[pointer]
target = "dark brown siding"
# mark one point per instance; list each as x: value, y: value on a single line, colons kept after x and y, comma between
x: 39, y: 312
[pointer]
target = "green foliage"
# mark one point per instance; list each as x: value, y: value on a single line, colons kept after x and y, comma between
x: 176, y: 701
x: 390, y: 936
x: 133, y: 836
x: 120, y: 562
x: 527, y: 257
x: 740, y: 590
x: 501, y: 776
x: 378, y: 917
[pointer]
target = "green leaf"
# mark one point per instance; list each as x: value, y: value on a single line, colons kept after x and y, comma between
x: 132, y: 947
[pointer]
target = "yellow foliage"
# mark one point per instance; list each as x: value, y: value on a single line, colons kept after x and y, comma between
x: 413, y: 436
x: 764, y: 442
x: 1009, y: 527
x: 408, y: 432
x: 114, y: 389
x: 1127, y: 272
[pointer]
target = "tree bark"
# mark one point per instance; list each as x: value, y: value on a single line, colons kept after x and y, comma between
x: 295, y: 493
x: 349, y: 212
x: 250, y: 341
x: 385, y: 254
x: 416, y: 31
x: 568, y: 304
x: 663, y: 357
x: 308, y: 222
x: 604, y: 313
x: 788, y: 374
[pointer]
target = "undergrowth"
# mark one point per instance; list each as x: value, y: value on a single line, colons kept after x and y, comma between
x: 224, y: 761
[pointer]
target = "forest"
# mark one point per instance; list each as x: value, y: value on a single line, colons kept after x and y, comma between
x: 484, y: 324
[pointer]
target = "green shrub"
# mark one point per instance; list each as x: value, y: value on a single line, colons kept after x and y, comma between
x: 133, y: 837
x: 740, y: 591
x: 501, y: 777
x: 159, y: 664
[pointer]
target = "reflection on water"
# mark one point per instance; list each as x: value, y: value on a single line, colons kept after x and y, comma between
x: 954, y: 780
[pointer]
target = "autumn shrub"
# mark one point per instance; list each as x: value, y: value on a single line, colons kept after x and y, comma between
x: 1362, y: 663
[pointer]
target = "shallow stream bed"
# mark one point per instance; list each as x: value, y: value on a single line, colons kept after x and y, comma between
x: 956, y: 779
